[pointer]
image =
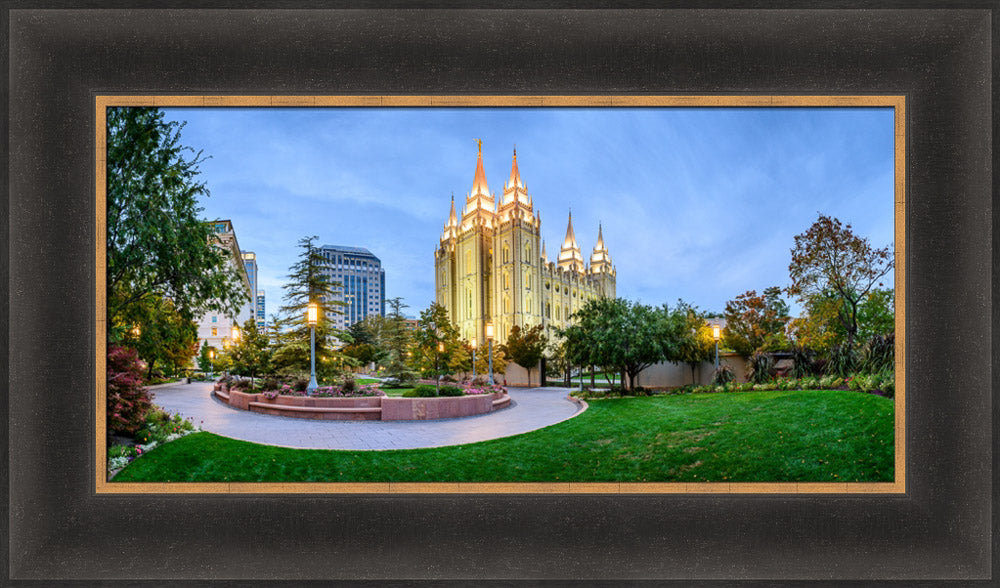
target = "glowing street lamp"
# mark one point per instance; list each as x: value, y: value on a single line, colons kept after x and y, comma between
x: 473, y: 358
x: 211, y: 363
x: 236, y: 333
x: 489, y: 341
x: 716, y: 334
x: 437, y: 361
x: 312, y: 315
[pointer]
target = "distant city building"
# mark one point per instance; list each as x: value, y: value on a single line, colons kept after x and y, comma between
x: 261, y: 311
x: 412, y: 324
x: 361, y: 279
x: 491, y: 265
x: 217, y: 328
x: 250, y: 262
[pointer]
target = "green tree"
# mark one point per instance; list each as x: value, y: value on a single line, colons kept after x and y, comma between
x: 756, y: 322
x: 877, y: 314
x: 696, y: 344
x: 829, y: 260
x: 366, y: 340
x: 307, y: 283
x: 435, y: 328
x: 525, y: 347
x: 251, y: 356
x: 396, y: 341
x: 205, y: 358
x: 158, y: 247
x: 162, y: 334
x: 615, y: 332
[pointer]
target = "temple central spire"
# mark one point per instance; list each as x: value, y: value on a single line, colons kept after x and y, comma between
x: 479, y: 198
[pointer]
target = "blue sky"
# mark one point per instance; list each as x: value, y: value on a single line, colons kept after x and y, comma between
x: 696, y: 203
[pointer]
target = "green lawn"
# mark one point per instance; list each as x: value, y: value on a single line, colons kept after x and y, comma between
x: 806, y: 436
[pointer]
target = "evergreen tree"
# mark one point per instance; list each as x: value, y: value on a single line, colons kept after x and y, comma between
x: 396, y: 342
x: 307, y: 283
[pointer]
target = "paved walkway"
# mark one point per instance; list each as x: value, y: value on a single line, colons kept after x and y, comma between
x: 531, y: 409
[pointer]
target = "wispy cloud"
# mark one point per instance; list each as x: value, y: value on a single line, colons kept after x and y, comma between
x: 695, y: 203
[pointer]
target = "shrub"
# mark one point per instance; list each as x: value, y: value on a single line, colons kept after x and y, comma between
x: 270, y: 383
x: 143, y: 436
x: 299, y: 384
x: 802, y: 362
x: 787, y: 384
x: 421, y: 391
x: 448, y: 378
x: 348, y: 386
x: 126, y: 451
x: 765, y: 386
x: 841, y: 360
x: 819, y: 366
x: 723, y: 375
x: 878, y: 354
x: 128, y: 400
x: 760, y: 368
x: 887, y: 383
x: 395, y: 382
x: 809, y: 383
x: 452, y: 391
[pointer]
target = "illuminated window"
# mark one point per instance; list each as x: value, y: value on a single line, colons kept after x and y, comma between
x: 215, y: 331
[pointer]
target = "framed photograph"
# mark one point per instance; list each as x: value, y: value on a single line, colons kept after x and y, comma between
x: 927, y: 520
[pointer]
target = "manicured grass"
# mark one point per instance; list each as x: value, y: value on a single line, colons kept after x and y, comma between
x: 808, y: 436
x: 363, y: 381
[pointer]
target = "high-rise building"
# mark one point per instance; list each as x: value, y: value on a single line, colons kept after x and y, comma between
x: 260, y: 311
x: 361, y: 279
x: 217, y: 328
x: 250, y: 262
x: 491, y: 265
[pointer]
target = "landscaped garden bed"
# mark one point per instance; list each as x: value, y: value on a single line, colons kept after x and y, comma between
x: 349, y: 401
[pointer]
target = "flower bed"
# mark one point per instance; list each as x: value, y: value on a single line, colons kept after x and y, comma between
x: 373, y: 407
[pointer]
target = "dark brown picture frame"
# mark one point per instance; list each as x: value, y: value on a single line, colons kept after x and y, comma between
x: 941, y: 528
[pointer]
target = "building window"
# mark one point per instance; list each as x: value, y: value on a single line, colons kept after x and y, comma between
x: 506, y: 254
x: 215, y: 319
x: 506, y: 304
x: 548, y: 310
x: 468, y: 262
x: 215, y: 331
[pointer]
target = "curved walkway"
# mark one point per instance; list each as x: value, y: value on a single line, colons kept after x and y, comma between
x: 531, y: 409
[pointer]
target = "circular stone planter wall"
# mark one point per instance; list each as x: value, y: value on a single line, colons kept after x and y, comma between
x: 365, y: 408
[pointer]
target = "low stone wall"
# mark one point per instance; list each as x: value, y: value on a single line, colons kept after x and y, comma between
x: 365, y: 408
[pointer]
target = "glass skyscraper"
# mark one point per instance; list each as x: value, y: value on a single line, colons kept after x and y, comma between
x: 361, y: 279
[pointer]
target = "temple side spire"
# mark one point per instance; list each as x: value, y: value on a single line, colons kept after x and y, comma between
x: 600, y: 259
x: 570, y: 256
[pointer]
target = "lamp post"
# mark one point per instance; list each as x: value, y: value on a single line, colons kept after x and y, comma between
x: 437, y: 366
x: 489, y: 341
x: 473, y: 358
x: 236, y: 334
x: 211, y: 363
x: 716, y: 332
x: 311, y: 315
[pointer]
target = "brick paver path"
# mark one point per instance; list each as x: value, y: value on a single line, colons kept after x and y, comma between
x: 531, y: 408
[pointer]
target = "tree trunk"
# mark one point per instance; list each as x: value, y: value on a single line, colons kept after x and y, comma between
x: 592, y: 376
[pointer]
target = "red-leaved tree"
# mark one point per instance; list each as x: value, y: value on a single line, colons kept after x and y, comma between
x: 128, y: 399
